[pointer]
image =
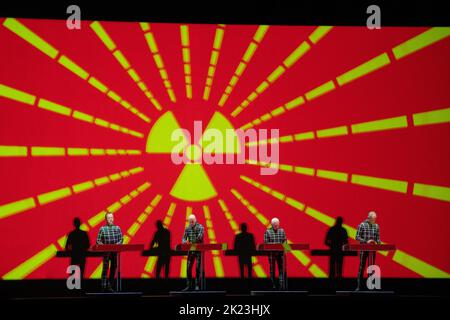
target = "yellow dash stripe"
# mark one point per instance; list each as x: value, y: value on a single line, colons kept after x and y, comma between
x: 31, y: 37
x: 133, y: 229
x: 83, y: 186
x: 304, y: 136
x: 276, y: 74
x: 150, y: 265
x: 184, y: 35
x: 136, y: 170
x: 27, y: 267
x: 51, y: 106
x: 333, y: 175
x: 418, y: 266
x: 296, y: 54
x: 122, y: 60
x: 247, y: 56
x: 54, y: 195
x: 97, y: 272
x: 103, y: 35
x: 183, y: 267
x: 380, y: 183
x: 295, y: 103
x: 317, y: 272
x: 101, y: 181
x: 320, y: 90
x: 319, y: 33
x: 420, y: 41
x: 433, y: 192
x: 17, y: 95
x: 304, y: 170
x: 12, y: 208
x: 431, y: 117
x: 83, y: 116
x: 97, y: 152
x: 13, y: 151
x: 363, y: 69
x: 294, y: 203
x: 218, y: 38
x: 97, y: 84
x: 96, y: 219
x: 144, y: 26
x: 72, y: 66
x: 379, y: 125
x: 332, y: 132
x: 300, y: 256
x: 218, y: 266
x: 156, y: 200
x: 136, y: 78
x: 260, y: 33
x: 319, y: 216
x: 47, y: 151
x: 260, y: 273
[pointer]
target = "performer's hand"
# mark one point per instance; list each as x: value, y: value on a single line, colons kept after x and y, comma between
x: 371, y: 241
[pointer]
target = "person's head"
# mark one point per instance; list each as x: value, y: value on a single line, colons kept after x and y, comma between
x: 372, y: 217
x: 244, y: 227
x: 275, y: 223
x: 159, y: 224
x: 192, y: 220
x: 339, y: 221
x: 77, y: 223
x: 109, y: 217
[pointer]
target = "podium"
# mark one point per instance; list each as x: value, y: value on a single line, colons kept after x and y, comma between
x: 186, y: 248
x: 268, y: 248
x: 368, y: 247
x: 118, y: 248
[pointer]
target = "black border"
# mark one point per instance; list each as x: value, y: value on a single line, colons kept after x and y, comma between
x: 273, y: 12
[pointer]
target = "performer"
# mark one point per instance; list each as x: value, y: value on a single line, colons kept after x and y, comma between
x: 336, y: 237
x: 244, y: 245
x: 109, y: 234
x: 275, y: 234
x: 78, y: 243
x: 193, y: 234
x: 368, y: 232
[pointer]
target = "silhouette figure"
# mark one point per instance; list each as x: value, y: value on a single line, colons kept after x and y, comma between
x: 336, y: 237
x: 161, y: 240
x: 244, y: 245
x: 78, y: 243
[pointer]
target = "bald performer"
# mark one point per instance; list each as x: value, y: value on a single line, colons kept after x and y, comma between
x: 368, y: 232
x: 193, y: 234
x: 275, y: 234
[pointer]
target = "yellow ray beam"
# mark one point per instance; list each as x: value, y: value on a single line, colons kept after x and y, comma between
x: 406, y: 48
x: 414, y: 264
x: 157, y: 57
x: 220, y: 30
x: 185, y: 47
x: 12, y: 208
x: 43, y: 256
x: 288, y: 62
x: 32, y: 38
x: 245, y: 60
x: 21, y: 96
